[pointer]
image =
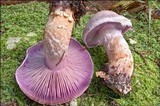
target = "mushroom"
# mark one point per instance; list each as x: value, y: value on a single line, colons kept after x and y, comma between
x: 57, y: 69
x: 106, y: 28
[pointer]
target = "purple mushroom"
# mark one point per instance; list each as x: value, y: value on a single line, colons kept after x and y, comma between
x: 57, y: 69
x: 106, y: 28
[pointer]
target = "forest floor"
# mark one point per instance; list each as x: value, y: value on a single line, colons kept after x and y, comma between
x: 22, y: 26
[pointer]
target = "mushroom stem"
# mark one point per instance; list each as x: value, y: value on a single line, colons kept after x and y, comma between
x: 57, y: 35
x: 120, y: 65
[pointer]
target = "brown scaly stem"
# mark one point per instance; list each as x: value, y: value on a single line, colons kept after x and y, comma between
x: 57, y: 34
x: 63, y: 15
x: 117, y: 74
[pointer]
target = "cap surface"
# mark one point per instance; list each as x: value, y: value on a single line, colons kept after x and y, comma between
x: 69, y: 80
x: 101, y: 19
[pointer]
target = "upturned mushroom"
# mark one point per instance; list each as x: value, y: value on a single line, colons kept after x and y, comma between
x: 106, y: 28
x: 57, y: 69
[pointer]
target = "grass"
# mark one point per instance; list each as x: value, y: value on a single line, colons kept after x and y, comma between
x: 19, y: 20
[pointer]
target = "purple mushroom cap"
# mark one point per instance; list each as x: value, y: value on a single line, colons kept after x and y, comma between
x: 66, y: 82
x: 98, y: 21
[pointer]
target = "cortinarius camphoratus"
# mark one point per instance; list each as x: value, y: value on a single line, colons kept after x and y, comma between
x: 106, y: 28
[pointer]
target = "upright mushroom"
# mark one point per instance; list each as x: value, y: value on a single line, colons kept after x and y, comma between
x: 106, y: 28
x: 58, y: 69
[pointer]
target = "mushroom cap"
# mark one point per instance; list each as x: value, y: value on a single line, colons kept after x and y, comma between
x: 69, y: 80
x: 101, y: 19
